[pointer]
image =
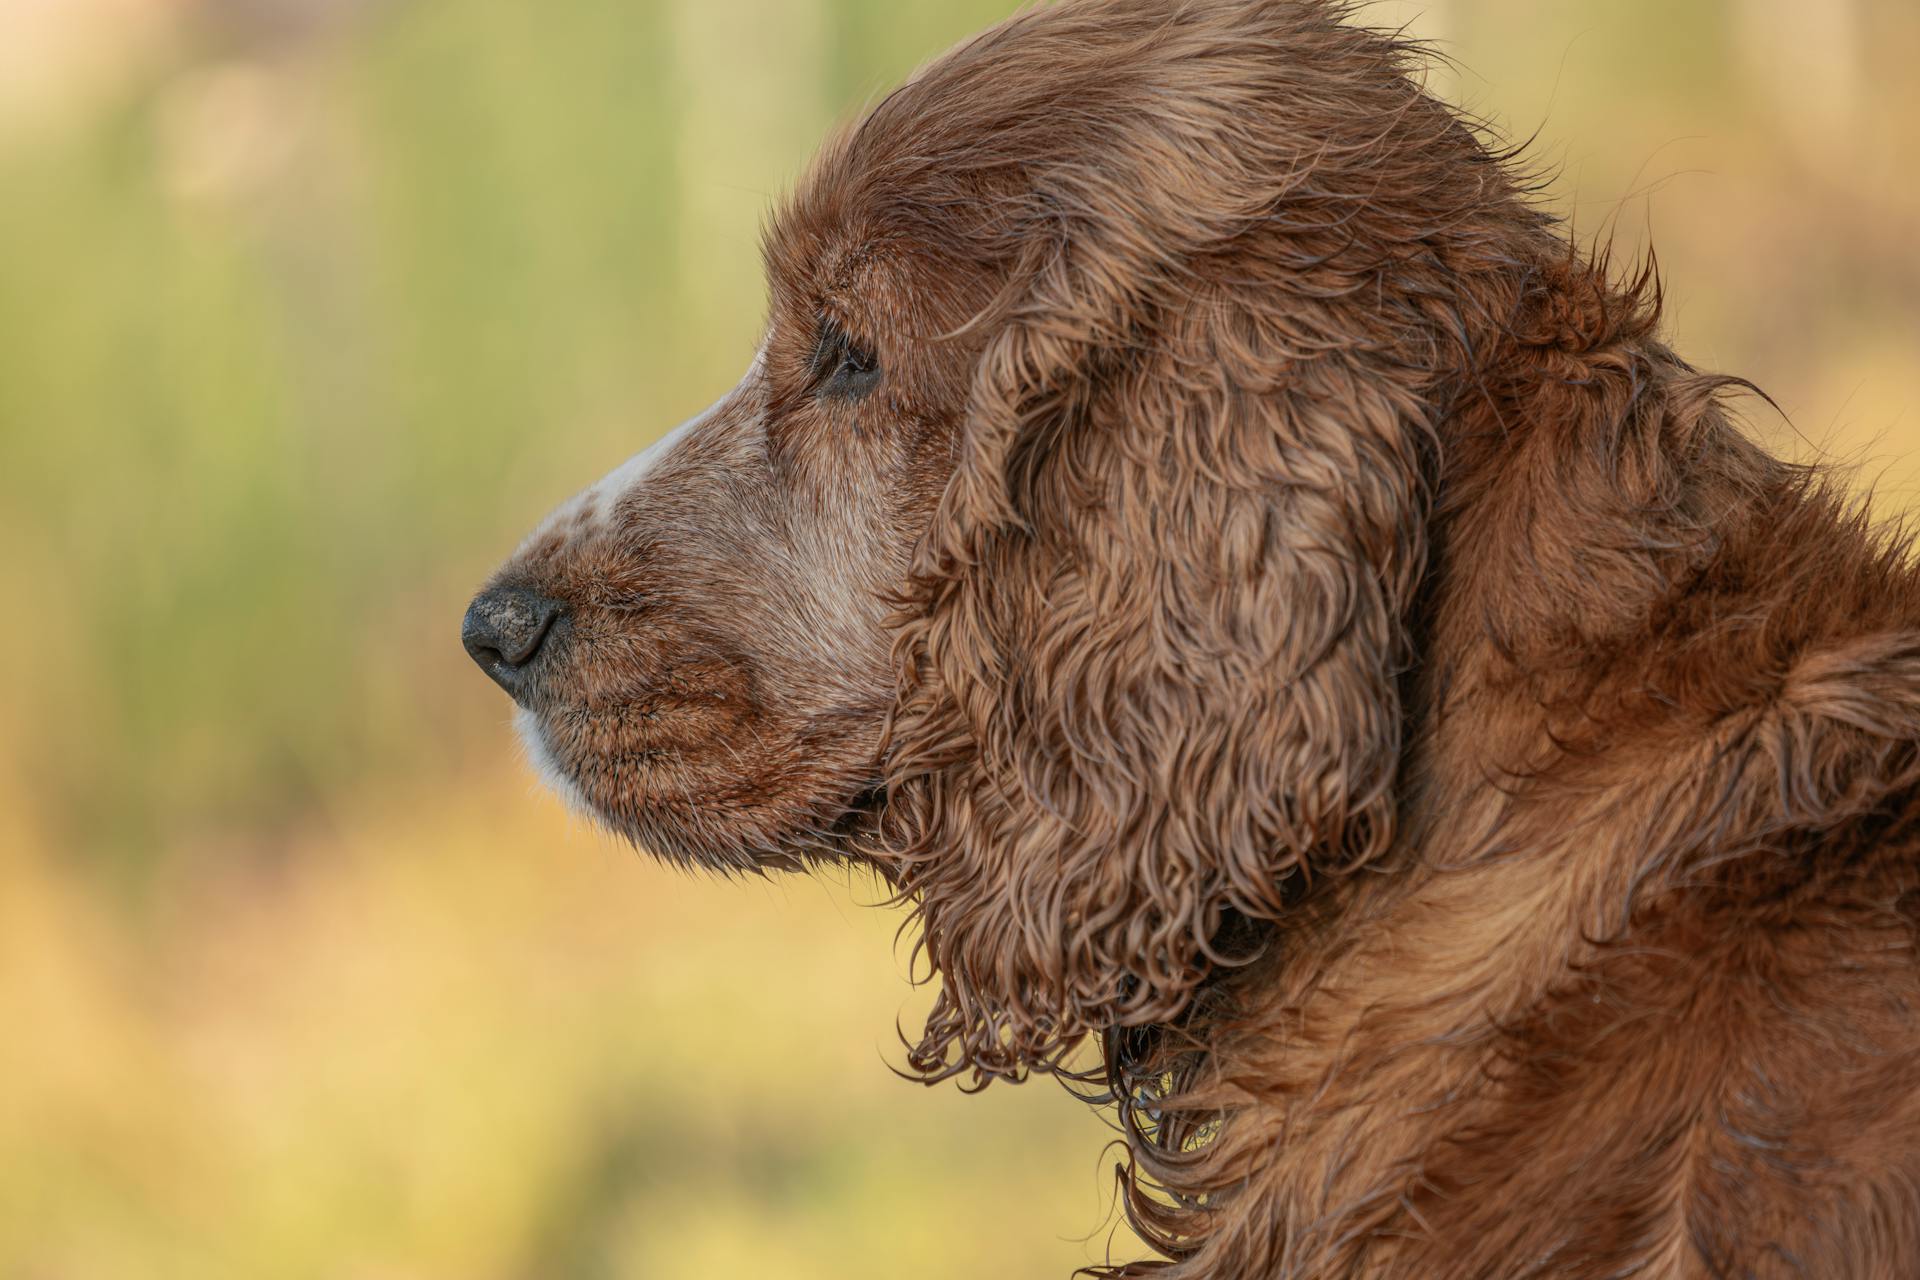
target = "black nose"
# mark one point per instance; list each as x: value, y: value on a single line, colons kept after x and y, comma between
x: 504, y: 631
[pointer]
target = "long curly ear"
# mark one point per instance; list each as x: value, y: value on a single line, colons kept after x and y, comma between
x: 1151, y: 659
x: 1151, y: 651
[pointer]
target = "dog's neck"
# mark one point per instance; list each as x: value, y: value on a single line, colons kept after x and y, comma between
x: 1624, y: 605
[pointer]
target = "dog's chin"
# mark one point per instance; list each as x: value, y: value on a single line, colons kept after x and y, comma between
x: 692, y: 839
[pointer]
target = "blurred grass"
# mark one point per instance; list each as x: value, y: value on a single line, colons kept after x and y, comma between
x: 436, y: 1041
x: 307, y: 311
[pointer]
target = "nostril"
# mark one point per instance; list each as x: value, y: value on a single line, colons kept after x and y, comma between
x: 504, y: 631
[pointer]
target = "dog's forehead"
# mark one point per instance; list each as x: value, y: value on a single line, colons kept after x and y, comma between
x: 809, y: 242
x: 930, y: 157
x: 952, y: 156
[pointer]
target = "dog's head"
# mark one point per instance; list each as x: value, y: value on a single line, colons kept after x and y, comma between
x: 1054, y: 554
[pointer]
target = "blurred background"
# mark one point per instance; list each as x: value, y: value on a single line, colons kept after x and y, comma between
x: 308, y: 309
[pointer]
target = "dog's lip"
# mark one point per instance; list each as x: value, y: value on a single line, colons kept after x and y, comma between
x: 647, y: 763
x: 652, y: 739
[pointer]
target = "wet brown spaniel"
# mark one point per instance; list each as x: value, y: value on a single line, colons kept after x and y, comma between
x: 1270, y: 604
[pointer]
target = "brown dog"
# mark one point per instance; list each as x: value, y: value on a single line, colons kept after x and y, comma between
x: 1262, y: 597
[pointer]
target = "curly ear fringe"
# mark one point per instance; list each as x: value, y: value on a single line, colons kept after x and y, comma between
x: 1167, y: 691
x: 1149, y: 658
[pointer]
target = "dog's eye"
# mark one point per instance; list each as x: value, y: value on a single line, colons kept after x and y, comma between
x: 841, y: 366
